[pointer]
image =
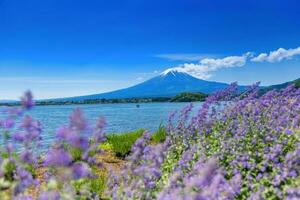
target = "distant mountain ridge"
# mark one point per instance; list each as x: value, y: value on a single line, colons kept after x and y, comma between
x: 8, y: 101
x: 280, y: 86
x: 168, y: 84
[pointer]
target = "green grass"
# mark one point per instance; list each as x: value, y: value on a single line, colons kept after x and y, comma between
x: 95, y: 185
x: 121, y: 144
x: 160, y: 135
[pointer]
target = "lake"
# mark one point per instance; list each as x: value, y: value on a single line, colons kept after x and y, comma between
x: 120, y: 118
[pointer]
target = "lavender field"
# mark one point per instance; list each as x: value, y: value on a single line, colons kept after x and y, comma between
x: 246, y: 149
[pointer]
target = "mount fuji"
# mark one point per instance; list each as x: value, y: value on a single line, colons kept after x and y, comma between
x: 168, y: 84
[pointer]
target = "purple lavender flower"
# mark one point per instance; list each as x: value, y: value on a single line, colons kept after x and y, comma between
x: 81, y: 170
x: 80, y: 142
x: 19, y: 136
x: 7, y: 123
x: 23, y: 197
x: 57, y: 157
x: 28, y: 157
x: 27, y: 100
x: 25, y: 180
x: 77, y: 120
x: 49, y: 195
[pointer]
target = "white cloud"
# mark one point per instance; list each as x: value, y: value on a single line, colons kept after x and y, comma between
x: 206, y: 66
x: 277, y: 56
x: 230, y: 61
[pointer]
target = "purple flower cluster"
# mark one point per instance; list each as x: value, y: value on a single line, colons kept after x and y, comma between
x: 74, y: 153
x: 17, y: 168
x: 145, y: 163
x: 69, y: 159
x: 204, y: 181
x: 236, y: 147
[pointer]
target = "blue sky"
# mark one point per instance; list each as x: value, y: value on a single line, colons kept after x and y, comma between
x: 69, y: 47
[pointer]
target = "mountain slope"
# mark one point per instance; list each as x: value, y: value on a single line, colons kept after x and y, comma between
x: 8, y: 101
x: 165, y: 85
x: 279, y: 86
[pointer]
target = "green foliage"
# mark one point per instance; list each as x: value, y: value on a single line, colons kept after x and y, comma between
x: 76, y: 153
x: 170, y: 163
x: 189, y: 97
x: 122, y: 143
x: 214, y: 144
x: 30, y: 168
x: 91, y: 185
x: 297, y: 83
x: 9, y: 169
x: 98, y: 185
x: 160, y: 135
x: 106, y: 146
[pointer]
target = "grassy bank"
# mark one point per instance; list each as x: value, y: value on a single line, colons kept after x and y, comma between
x: 121, y: 143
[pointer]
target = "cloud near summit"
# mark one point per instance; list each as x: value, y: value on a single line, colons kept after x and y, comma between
x: 205, y: 67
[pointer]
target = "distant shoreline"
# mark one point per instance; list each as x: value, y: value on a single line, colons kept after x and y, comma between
x: 183, y: 97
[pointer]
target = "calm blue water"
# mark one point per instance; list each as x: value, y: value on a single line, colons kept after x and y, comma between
x: 120, y: 117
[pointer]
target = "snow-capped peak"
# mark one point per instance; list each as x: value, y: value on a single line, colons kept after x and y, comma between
x: 173, y: 71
